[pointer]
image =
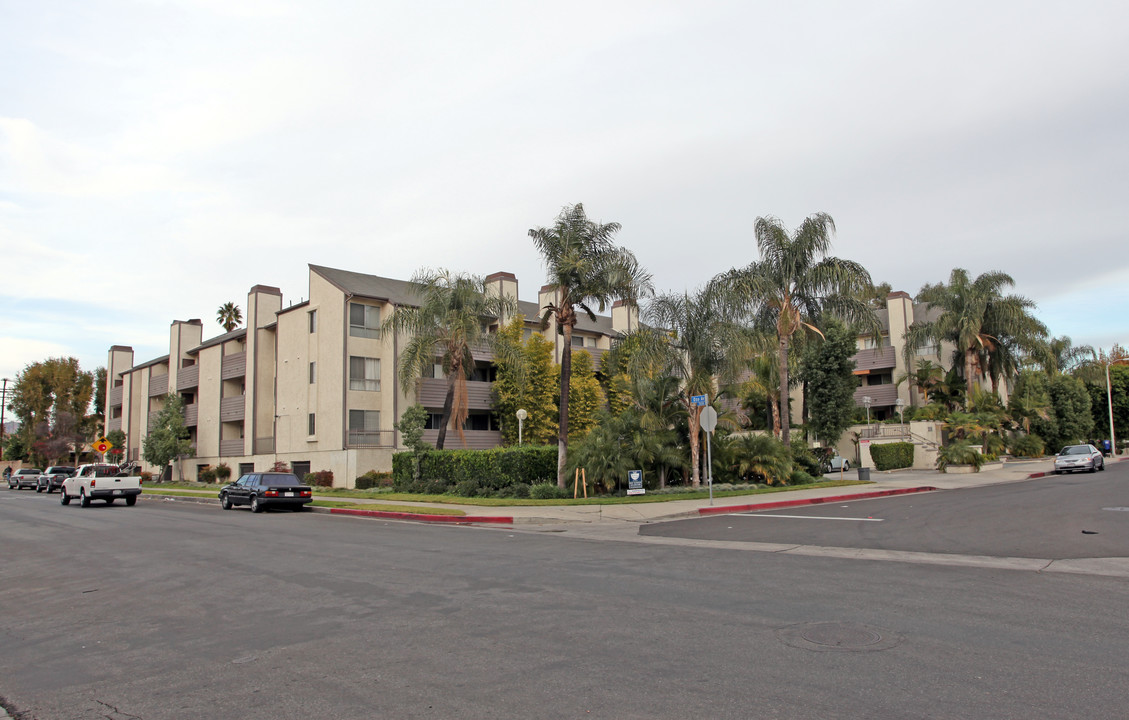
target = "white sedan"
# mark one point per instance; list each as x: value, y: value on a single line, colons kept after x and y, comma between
x: 1076, y: 458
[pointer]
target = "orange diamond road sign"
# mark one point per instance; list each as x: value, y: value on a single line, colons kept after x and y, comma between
x: 102, y: 446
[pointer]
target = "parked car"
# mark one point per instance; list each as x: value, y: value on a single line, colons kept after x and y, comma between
x: 1075, y: 458
x: 100, y: 481
x: 837, y: 463
x: 52, y: 478
x: 267, y: 489
x: 24, y: 477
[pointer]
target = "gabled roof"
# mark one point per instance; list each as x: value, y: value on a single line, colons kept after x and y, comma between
x: 603, y: 324
x: 219, y: 339
x: 398, y: 292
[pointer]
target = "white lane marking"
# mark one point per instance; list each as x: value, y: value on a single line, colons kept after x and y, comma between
x: 809, y: 517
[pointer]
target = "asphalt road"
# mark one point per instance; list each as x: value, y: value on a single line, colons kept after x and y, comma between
x: 1055, y: 517
x: 173, y: 610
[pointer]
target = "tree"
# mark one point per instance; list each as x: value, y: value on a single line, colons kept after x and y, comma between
x: 585, y: 268
x: 689, y: 337
x: 100, y: 395
x: 987, y: 327
x: 795, y: 282
x: 526, y: 380
x: 1060, y: 355
x: 117, y: 440
x: 828, y: 371
x: 229, y: 316
x: 168, y: 439
x: 411, y: 425
x: 586, y: 397
x: 46, y: 390
x: 449, y: 322
x: 1072, y: 412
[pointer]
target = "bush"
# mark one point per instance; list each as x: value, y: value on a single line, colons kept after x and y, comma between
x: 374, y: 479
x: 959, y: 452
x: 146, y: 476
x: 321, y: 478
x: 805, y: 460
x: 1028, y: 446
x: 494, y: 470
x: 223, y: 472
x: 994, y: 445
x: 280, y: 467
x: 799, y: 477
x: 892, y: 456
x: 547, y: 491
x: 467, y: 488
x: 207, y: 475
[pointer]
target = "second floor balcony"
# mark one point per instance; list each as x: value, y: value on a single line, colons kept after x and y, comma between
x: 433, y: 391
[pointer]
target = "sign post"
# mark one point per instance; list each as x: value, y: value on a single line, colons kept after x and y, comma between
x: 709, y: 424
x: 635, y: 483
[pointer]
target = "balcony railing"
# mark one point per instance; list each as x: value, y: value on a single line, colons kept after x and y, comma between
x: 234, y: 366
x: 882, y: 358
x: 116, y: 396
x: 475, y: 439
x: 433, y: 391
x: 371, y: 438
x: 188, y: 377
x: 158, y: 385
x: 880, y: 395
x: 233, y: 409
x: 231, y: 447
x: 191, y: 415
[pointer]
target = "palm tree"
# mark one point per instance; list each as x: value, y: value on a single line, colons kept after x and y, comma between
x: 229, y: 316
x: 689, y: 337
x: 450, y: 321
x: 1060, y: 355
x: 793, y: 283
x: 585, y: 268
x: 980, y: 321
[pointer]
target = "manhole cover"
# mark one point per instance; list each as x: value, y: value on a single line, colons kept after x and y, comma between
x: 839, y: 636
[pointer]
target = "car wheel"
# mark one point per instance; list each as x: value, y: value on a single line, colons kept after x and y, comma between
x: 64, y: 499
x: 225, y: 501
x: 255, y: 506
x: 82, y: 499
x: 131, y: 501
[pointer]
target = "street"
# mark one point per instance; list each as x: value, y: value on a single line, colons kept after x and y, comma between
x: 174, y: 610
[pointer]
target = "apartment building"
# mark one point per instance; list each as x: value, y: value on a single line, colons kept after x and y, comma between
x: 314, y: 384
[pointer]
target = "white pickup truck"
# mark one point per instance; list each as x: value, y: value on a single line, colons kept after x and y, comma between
x: 100, y: 482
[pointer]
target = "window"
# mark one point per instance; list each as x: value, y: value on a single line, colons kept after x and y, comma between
x: 434, y: 370
x: 312, y: 425
x: 364, y: 320
x: 246, y: 468
x: 869, y: 343
x: 313, y: 321
x: 301, y: 468
x: 313, y: 373
x: 592, y: 342
x: 434, y: 421
x: 578, y: 341
x: 364, y: 373
x: 364, y: 427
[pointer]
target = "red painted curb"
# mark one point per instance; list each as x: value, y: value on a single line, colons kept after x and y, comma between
x: 1034, y: 475
x: 813, y: 501
x: 464, y: 519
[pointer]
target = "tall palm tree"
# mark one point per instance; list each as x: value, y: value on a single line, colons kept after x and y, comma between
x: 450, y: 320
x: 793, y: 283
x: 1061, y: 355
x: 229, y: 316
x: 585, y: 268
x: 689, y: 337
x: 980, y: 321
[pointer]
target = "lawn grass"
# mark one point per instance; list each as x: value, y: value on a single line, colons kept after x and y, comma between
x: 163, y: 490
x: 384, y: 495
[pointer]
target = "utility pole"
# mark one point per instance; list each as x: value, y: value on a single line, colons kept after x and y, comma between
x: 3, y: 405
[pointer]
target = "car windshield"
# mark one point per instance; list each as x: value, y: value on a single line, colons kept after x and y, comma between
x: 280, y: 480
x: 1076, y: 450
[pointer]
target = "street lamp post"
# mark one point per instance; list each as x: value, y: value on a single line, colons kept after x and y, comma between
x: 1109, y: 399
x: 521, y: 416
x: 3, y: 403
x: 866, y: 404
x: 901, y: 413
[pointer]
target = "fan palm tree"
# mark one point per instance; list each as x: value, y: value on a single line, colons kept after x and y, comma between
x: 450, y: 320
x: 229, y: 316
x: 585, y: 269
x: 1060, y: 355
x: 793, y: 283
x: 979, y: 320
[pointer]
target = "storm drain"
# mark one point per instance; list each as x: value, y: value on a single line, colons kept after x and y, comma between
x: 838, y: 636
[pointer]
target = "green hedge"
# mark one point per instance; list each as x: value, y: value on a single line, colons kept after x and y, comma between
x: 471, y: 473
x: 892, y: 456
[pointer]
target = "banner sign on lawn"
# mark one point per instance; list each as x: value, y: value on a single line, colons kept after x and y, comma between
x: 635, y: 482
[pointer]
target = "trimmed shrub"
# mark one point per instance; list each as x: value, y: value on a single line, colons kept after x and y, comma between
x: 799, y: 477
x: 146, y: 476
x: 547, y: 491
x: 1028, y: 446
x: 959, y: 452
x: 374, y: 479
x: 223, y: 472
x: 207, y: 475
x: 493, y: 470
x: 321, y: 478
x: 892, y: 456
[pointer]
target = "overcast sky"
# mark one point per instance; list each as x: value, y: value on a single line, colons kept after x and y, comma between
x: 160, y: 157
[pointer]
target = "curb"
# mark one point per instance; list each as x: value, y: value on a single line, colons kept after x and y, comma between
x: 813, y: 501
x: 456, y: 519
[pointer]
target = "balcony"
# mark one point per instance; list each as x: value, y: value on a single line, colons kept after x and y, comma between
x: 158, y: 385
x: 475, y: 439
x: 880, y: 395
x: 867, y: 361
x: 228, y: 448
x: 233, y: 409
x: 188, y: 378
x: 234, y: 366
x: 433, y: 391
x: 116, y: 396
x: 372, y: 438
x: 191, y: 415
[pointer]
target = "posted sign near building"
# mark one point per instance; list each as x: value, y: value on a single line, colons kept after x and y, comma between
x: 635, y: 482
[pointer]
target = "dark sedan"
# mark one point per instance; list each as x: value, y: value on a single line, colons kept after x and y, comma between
x: 268, y: 489
x: 52, y: 478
